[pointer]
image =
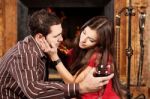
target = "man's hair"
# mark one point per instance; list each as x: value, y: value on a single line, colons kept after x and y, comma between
x: 41, y: 21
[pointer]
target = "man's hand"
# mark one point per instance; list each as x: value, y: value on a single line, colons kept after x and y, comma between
x: 93, y: 84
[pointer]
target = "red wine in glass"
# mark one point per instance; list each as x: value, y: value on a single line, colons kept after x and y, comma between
x: 102, y: 70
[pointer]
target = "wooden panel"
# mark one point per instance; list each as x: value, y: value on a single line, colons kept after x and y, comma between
x: 10, y: 34
x: 146, y: 68
x: 1, y: 27
x: 136, y: 38
x: 122, y: 42
x: 135, y: 46
x: 136, y: 91
x: 121, y: 39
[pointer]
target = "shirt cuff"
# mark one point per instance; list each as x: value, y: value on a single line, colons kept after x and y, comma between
x: 72, y: 90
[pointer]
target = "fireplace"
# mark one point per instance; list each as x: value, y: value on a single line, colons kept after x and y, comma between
x: 77, y: 11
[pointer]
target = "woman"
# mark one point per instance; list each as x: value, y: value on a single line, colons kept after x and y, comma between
x: 92, y: 48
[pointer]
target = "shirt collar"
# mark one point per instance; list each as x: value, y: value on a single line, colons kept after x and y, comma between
x: 30, y: 39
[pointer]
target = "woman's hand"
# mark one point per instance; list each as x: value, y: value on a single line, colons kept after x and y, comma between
x: 49, y: 48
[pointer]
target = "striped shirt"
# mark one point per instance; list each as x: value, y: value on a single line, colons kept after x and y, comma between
x: 22, y: 73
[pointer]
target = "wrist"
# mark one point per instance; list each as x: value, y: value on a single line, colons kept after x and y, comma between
x: 54, y: 57
x: 56, y: 62
x: 82, y: 88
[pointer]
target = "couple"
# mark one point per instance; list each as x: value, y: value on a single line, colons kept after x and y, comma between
x: 22, y: 68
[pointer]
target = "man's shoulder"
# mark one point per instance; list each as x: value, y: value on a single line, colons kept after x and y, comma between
x: 26, y: 47
x: 23, y: 48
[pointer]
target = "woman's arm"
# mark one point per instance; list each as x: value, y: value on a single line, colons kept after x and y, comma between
x: 90, y: 65
x: 64, y: 73
x: 68, y: 78
x: 83, y: 74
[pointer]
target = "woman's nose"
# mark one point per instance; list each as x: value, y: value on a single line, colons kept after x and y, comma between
x: 84, y: 39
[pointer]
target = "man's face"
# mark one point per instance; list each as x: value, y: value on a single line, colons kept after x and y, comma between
x: 55, y: 36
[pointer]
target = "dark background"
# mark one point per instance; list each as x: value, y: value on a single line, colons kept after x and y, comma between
x: 76, y: 11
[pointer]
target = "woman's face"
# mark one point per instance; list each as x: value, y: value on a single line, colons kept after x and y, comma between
x: 88, y: 38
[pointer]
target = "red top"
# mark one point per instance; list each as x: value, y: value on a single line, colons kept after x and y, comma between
x: 108, y: 92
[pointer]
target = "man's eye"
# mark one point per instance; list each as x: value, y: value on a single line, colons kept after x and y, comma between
x: 55, y: 36
x: 58, y: 35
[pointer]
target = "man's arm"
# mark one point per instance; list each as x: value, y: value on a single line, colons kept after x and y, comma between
x: 29, y: 78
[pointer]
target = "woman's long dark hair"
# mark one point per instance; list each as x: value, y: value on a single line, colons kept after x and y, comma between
x: 105, y: 31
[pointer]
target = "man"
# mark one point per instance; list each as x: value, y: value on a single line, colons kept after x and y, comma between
x: 22, y: 68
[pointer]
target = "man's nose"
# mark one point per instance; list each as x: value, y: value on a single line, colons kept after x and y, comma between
x: 61, y: 38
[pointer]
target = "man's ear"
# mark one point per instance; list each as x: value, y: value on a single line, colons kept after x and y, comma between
x: 38, y: 38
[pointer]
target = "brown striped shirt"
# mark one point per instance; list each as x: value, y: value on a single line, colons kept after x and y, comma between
x: 22, y: 72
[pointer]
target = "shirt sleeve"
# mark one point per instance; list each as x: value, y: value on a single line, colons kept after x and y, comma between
x: 29, y: 77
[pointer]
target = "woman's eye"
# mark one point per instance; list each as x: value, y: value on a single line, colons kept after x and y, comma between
x: 92, y: 41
